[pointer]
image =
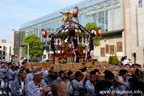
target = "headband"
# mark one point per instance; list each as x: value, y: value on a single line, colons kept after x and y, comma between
x: 2, y: 64
x: 36, y: 73
x: 71, y: 75
x: 21, y: 66
x: 92, y: 75
x: 22, y: 71
x: 124, y: 73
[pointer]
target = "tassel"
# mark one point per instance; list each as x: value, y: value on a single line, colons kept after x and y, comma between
x: 82, y: 42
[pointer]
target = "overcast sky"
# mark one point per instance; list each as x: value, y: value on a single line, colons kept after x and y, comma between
x: 13, y: 13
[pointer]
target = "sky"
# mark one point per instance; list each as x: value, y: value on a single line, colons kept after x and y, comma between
x: 13, y: 13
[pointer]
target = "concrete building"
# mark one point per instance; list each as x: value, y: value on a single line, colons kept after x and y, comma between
x: 16, y: 45
x: 5, y: 51
x: 121, y: 21
x: 2, y: 41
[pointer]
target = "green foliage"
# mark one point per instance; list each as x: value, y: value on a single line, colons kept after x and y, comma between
x: 35, y: 46
x: 93, y: 26
x: 110, y: 60
x: 113, y: 60
x: 117, y: 61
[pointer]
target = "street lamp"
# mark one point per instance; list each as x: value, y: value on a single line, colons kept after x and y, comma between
x: 105, y: 48
x: 27, y: 51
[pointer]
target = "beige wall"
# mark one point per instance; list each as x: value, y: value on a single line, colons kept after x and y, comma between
x: 111, y: 40
x: 130, y: 30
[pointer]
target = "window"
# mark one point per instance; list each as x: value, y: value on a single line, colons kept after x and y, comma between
x: 107, y: 49
x: 3, y: 47
x: 3, y: 57
x: 102, y: 50
x: 3, y: 52
x: 119, y: 46
x: 0, y: 46
x: 0, y: 52
x: 111, y: 49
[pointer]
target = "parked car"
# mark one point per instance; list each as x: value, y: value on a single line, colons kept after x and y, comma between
x: 24, y: 60
x: 46, y: 60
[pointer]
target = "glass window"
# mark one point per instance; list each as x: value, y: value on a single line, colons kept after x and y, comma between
x: 87, y: 15
x: 49, y: 30
x: 93, y: 14
x: 53, y: 25
x: 101, y: 23
x: 117, y: 16
x: 46, y: 31
x: 100, y: 16
x: 108, y: 15
x: 56, y: 25
x: 81, y: 19
x: 36, y: 30
x: 40, y: 28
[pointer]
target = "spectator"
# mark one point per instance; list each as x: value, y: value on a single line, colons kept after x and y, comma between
x: 125, y: 61
x: 130, y: 61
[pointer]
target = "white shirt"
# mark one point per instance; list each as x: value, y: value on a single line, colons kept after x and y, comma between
x: 130, y: 62
x: 22, y: 85
x: 125, y: 62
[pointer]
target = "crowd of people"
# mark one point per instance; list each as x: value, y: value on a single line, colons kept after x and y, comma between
x: 17, y: 81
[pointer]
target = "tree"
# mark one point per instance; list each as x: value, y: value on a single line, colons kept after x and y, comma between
x: 35, y: 46
x: 93, y: 26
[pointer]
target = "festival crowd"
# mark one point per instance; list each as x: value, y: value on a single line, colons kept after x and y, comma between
x: 15, y: 80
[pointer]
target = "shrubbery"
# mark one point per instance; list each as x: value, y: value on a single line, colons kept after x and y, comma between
x: 113, y: 60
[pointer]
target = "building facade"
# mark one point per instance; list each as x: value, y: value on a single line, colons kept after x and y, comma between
x: 5, y: 51
x: 17, y: 50
x: 116, y: 18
